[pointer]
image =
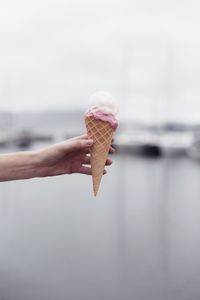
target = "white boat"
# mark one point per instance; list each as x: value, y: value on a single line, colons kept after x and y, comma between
x: 176, y: 143
x: 147, y: 142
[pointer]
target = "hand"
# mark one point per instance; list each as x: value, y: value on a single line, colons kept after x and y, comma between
x: 67, y: 157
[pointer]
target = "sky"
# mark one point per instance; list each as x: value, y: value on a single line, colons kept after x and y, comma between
x: 55, y: 54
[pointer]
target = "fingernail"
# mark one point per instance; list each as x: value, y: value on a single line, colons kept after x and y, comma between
x: 89, y: 142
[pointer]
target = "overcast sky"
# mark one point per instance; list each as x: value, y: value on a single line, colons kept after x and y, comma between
x: 54, y: 54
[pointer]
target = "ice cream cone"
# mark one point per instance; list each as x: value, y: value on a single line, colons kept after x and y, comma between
x: 102, y: 133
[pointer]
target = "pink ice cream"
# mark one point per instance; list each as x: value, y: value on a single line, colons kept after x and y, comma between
x: 103, y: 107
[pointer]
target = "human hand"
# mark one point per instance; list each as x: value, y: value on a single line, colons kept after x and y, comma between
x: 71, y: 156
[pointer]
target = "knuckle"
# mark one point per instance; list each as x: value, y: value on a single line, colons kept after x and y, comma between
x: 79, y: 144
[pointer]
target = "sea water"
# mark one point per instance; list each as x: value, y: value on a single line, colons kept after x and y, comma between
x: 138, y: 239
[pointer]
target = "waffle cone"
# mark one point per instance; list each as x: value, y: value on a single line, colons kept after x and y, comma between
x: 102, y: 134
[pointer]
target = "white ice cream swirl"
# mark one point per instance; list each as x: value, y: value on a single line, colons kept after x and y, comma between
x: 103, y: 102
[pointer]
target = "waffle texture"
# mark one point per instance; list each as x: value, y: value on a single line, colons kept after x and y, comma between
x: 102, y: 134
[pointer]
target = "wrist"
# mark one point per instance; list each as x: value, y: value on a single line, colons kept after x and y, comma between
x: 35, y: 157
x: 27, y: 165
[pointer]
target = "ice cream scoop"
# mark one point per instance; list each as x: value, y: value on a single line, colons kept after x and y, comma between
x: 103, y: 106
x: 101, y: 123
x: 104, y: 102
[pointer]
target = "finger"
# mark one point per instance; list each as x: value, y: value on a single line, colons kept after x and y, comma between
x: 112, y: 150
x: 80, y: 154
x: 77, y: 145
x: 88, y: 171
x: 108, y: 162
x: 85, y: 170
x: 87, y: 161
x: 80, y: 137
x: 84, y: 152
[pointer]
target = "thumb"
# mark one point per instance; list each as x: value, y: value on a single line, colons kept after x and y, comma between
x: 79, y: 144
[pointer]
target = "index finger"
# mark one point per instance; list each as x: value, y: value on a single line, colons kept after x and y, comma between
x: 80, y: 137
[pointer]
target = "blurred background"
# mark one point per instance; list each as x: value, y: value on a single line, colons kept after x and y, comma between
x: 140, y: 238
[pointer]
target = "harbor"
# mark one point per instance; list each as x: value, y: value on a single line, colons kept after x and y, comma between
x: 149, y: 141
x: 55, y: 236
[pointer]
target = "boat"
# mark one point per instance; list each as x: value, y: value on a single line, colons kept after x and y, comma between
x: 176, y: 144
x: 154, y: 144
x: 144, y: 144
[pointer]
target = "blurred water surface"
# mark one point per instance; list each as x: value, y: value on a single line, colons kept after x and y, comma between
x: 139, y: 239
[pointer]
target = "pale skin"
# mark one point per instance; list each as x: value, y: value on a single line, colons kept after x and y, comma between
x: 68, y: 157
